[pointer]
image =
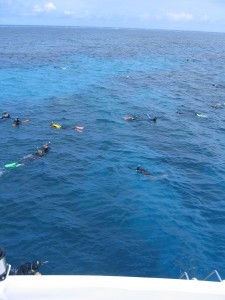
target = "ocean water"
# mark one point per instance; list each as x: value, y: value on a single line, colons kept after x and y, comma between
x: 83, y: 207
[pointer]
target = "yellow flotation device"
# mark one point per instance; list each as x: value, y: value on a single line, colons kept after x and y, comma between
x: 56, y: 125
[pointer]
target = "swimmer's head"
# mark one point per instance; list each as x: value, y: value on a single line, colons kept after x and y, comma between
x: 45, y: 146
x: 36, y: 264
x: 39, y: 152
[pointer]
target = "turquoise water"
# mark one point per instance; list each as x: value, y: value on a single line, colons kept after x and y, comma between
x: 83, y: 207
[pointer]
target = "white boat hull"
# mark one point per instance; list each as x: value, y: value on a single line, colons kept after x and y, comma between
x: 108, y: 288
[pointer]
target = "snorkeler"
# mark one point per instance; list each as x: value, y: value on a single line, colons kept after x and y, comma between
x: 16, y: 122
x: 192, y: 114
x: 151, y: 177
x: 151, y: 119
x: 42, y: 151
x: 55, y: 125
x: 5, y: 116
x: 129, y: 118
x: 142, y: 171
x: 30, y: 157
x: 218, y: 105
x: 132, y: 118
x: 45, y: 147
x: 38, y: 153
x: 58, y: 126
x: 179, y: 112
x: 28, y: 268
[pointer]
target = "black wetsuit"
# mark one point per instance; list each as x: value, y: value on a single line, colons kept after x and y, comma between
x: 17, y: 122
x: 31, y: 157
x: 42, y: 151
x: 26, y: 269
x: 142, y: 171
x: 5, y: 116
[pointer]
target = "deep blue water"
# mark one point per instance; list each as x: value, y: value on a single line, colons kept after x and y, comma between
x: 83, y: 207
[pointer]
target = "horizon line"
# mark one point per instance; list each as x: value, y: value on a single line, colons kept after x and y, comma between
x: 109, y: 27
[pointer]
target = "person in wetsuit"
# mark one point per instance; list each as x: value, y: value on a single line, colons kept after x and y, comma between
x: 27, y: 269
x: 16, y: 122
x: 142, y: 171
x: 38, y: 154
x: 45, y: 148
x: 153, y: 119
x: 42, y: 151
x: 5, y: 115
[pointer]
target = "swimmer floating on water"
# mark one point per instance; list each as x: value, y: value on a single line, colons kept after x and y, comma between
x: 30, y: 157
x: 154, y: 119
x: 58, y: 126
x: 16, y: 122
x: 5, y: 115
x: 192, y: 114
x: 132, y: 118
x: 42, y: 151
x: 144, y: 172
x: 218, y: 105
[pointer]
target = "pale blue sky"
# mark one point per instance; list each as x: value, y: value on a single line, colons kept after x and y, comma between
x: 203, y: 15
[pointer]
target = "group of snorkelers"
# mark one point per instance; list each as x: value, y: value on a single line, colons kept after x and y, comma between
x: 40, y: 152
x: 29, y: 268
x: 15, y: 122
x: 216, y: 105
x: 154, y: 119
x: 144, y: 172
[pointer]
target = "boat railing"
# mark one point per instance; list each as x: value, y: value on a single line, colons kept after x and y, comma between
x: 185, y: 276
x: 213, y: 272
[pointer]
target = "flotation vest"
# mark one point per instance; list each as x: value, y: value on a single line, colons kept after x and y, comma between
x: 56, y: 125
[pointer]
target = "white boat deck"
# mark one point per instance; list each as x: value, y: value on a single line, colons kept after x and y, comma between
x: 108, y: 288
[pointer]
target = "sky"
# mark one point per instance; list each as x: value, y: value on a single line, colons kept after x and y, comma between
x: 197, y: 15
